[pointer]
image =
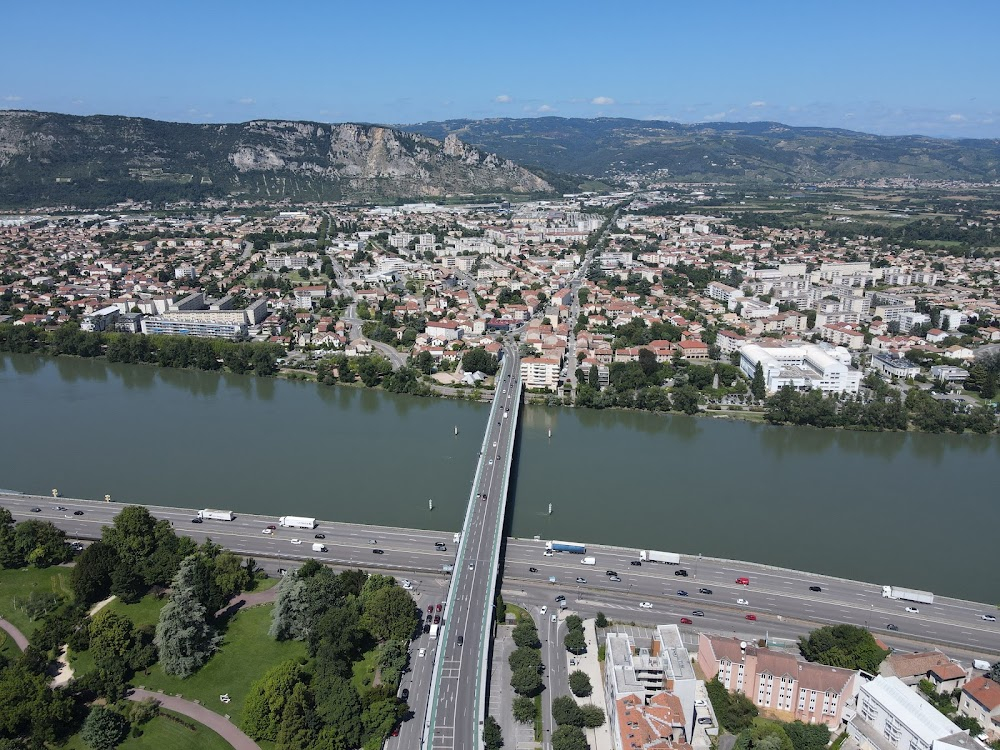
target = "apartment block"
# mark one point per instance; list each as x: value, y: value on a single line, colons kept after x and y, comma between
x: 802, y: 367
x: 540, y: 372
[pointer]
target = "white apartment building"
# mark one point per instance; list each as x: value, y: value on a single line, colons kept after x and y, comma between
x: 892, y: 716
x: 908, y: 320
x: 843, y: 334
x: 952, y: 319
x: 802, y: 367
x: 540, y: 372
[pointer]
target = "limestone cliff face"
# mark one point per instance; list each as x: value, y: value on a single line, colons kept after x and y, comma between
x: 45, y: 156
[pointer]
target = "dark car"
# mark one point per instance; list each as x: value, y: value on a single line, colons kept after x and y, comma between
x: 610, y: 573
x: 682, y: 593
x: 271, y: 526
x: 705, y: 591
x: 890, y: 626
x: 636, y: 563
x: 36, y: 510
x: 77, y: 512
x: 378, y: 552
x: 395, y: 732
x: 815, y: 588
x: 320, y: 536
x: 437, y: 619
x: 698, y: 613
x: 405, y: 694
x: 460, y: 640
x: 195, y: 520
x: 683, y: 573
x: 427, y: 627
x: 532, y: 570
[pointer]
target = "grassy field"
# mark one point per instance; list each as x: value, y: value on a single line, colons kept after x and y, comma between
x: 146, y: 611
x: 247, y: 652
x: 363, y: 672
x: 163, y: 734
x: 16, y: 585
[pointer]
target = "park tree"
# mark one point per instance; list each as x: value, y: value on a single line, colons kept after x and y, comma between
x: 184, y: 638
x: 492, y: 736
x: 265, y: 704
x: 525, y: 658
x: 569, y: 738
x: 297, y: 731
x: 339, y: 706
x: 525, y: 634
x: 117, y: 645
x: 579, y: 683
x: 526, y: 681
x: 40, y: 543
x: 593, y: 716
x: 524, y: 710
x: 424, y: 362
x: 390, y: 613
x: 685, y: 398
x: 104, y: 728
x: 566, y: 711
x: 846, y: 646
x: 29, y: 709
x: 575, y: 642
x: 478, y: 359
x: 91, y: 576
x: 757, y: 387
x: 807, y: 736
x: 734, y: 711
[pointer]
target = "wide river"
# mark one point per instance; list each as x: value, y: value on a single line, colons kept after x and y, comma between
x: 904, y: 509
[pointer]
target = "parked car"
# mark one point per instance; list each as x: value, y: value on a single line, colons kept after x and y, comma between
x: 705, y: 720
x: 439, y: 607
x: 437, y: 619
x: 555, y: 617
x: 405, y: 694
x: 544, y: 609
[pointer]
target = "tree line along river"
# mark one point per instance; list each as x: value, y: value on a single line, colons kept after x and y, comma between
x: 905, y: 509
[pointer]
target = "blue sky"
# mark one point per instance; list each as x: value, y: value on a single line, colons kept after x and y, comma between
x: 879, y: 66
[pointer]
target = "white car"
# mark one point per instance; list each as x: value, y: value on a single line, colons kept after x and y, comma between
x: 544, y: 609
x: 744, y: 602
x: 646, y: 605
x: 989, y: 618
x: 555, y: 617
x: 913, y: 610
x: 700, y: 703
x: 296, y: 541
x: 406, y: 584
x: 267, y: 531
x: 421, y: 652
x: 547, y: 553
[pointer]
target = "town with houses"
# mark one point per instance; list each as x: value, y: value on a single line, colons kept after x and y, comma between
x: 804, y: 308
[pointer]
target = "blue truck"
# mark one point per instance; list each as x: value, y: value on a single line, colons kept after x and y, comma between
x: 574, y: 547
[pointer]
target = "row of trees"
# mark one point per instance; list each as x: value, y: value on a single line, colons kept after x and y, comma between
x: 341, y: 617
x: 373, y: 371
x: 37, y: 543
x: 241, y: 357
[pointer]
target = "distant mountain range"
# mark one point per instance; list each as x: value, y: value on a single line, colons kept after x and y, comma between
x: 720, y: 151
x: 55, y: 159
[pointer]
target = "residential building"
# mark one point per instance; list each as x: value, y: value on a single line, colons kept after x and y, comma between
x: 843, y: 334
x: 925, y: 665
x: 981, y: 701
x: 894, y: 365
x: 807, y: 692
x: 445, y: 330
x: 802, y: 367
x: 101, y: 320
x: 892, y: 716
x: 949, y: 374
x: 540, y: 372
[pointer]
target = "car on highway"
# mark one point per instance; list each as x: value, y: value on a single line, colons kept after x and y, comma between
x: 472, y: 566
x: 705, y: 591
x: 491, y: 462
x: 532, y: 570
x: 77, y: 512
x: 744, y: 602
x: 743, y: 581
x: 682, y: 593
x: 913, y: 610
x: 296, y: 541
x: 405, y: 694
x: 421, y: 652
x: 610, y: 573
x: 637, y: 563
x: 262, y: 531
x: 686, y: 621
x: 646, y: 605
x: 378, y: 552
x: 461, y: 640
x: 544, y: 609
x: 750, y: 617
x: 195, y: 520
x: 616, y: 579
x: 36, y: 510
x: 59, y: 508
x: 439, y: 607
x: 547, y: 553
x: 815, y: 588
x: 989, y: 618
x: 681, y: 572
x: 272, y: 527
x: 320, y: 536
x: 437, y: 619
x: 370, y: 541
x: 890, y: 626
x: 555, y: 617
x: 560, y: 598
x: 698, y: 613
x: 581, y: 580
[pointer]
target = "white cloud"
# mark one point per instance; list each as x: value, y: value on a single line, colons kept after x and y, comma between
x: 247, y: 100
x: 602, y: 101
x: 758, y: 104
x: 504, y: 99
x: 956, y: 118
x: 12, y: 98
x: 546, y: 108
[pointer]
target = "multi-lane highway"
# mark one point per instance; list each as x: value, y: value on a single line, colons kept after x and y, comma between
x: 458, y: 691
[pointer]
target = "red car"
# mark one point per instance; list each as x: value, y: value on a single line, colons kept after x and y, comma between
x: 439, y: 608
x: 430, y: 607
x: 685, y: 621
x: 751, y: 617
x: 395, y: 732
x: 743, y: 581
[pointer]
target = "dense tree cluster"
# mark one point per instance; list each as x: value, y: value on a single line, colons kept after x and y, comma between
x: 846, y: 646
x: 478, y: 359
x: 242, y: 357
x: 37, y: 543
x: 526, y: 661
x: 373, y: 371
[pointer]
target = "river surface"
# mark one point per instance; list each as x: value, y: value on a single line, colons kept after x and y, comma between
x: 905, y: 509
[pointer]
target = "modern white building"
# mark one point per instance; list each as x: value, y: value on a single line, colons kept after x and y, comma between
x: 802, y: 367
x: 892, y: 716
x: 540, y: 372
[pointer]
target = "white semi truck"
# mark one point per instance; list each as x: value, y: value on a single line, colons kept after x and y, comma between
x: 652, y: 555
x: 907, y: 595
x: 297, y: 522
x: 216, y: 515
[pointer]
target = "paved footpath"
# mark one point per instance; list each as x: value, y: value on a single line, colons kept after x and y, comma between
x: 17, y: 635
x: 229, y: 732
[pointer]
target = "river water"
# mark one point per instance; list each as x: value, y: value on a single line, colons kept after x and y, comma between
x: 906, y: 509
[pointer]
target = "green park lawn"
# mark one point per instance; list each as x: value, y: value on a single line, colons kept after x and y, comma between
x: 144, y: 612
x: 163, y: 734
x: 16, y: 585
x: 363, y: 672
x: 247, y: 652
